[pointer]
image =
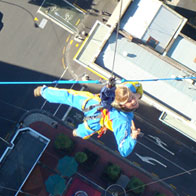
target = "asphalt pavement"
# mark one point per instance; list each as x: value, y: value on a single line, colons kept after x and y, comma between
x: 40, y: 54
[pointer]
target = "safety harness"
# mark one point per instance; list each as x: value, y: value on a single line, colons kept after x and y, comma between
x: 104, y: 120
x: 105, y: 98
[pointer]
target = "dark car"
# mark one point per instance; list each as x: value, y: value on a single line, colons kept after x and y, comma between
x: 1, y: 23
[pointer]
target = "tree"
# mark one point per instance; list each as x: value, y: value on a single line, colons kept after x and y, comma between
x: 81, y: 157
x: 135, y: 185
x: 113, y: 171
x: 63, y: 142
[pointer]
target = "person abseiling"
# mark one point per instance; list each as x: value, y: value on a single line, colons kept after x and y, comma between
x: 112, y: 109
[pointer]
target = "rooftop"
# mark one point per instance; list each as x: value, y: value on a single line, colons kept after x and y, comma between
x: 141, y: 64
x: 144, y: 20
x: 177, y: 52
x: 89, y: 180
x: 140, y: 60
x: 20, y: 159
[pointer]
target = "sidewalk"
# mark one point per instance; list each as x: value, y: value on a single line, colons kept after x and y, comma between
x: 50, y: 127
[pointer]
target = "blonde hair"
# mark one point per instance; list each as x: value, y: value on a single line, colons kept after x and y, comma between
x: 122, y: 94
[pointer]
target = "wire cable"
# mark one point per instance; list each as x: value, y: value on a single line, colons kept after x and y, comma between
x: 117, y: 32
x: 95, y: 81
x: 162, y: 179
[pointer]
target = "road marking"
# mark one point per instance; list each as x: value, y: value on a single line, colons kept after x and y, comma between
x: 174, y: 187
x: 43, y: 23
x: 71, y: 42
x: 77, y: 45
x: 155, y: 175
x: 68, y: 38
x: 74, y: 6
x: 157, y: 130
x: 137, y: 164
x: 56, y: 21
x: 63, y: 63
x: 159, y: 143
x: 163, y: 157
x: 100, y: 142
x: 64, y: 50
x: 36, y: 19
x: 77, y: 22
x: 149, y: 159
x: 82, y: 10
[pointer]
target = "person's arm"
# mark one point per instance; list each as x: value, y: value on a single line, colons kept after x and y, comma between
x: 134, y: 131
x: 126, y: 140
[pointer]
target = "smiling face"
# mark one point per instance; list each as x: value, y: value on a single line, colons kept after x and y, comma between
x: 125, y: 98
x: 132, y: 102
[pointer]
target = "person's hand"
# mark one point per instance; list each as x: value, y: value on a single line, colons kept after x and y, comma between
x: 111, y: 82
x: 134, y: 132
x: 37, y: 91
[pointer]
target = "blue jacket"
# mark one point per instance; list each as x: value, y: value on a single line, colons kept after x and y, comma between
x: 119, y: 122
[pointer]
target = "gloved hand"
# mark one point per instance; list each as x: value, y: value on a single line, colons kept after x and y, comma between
x: 37, y: 91
x: 111, y: 82
x: 107, y: 96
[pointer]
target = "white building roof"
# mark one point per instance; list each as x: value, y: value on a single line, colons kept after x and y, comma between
x: 184, y: 51
x: 152, y: 21
x: 141, y: 64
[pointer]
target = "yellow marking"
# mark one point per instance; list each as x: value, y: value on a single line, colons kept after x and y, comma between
x: 172, y: 186
x: 155, y: 175
x: 79, y: 8
x: 88, y: 67
x: 77, y: 45
x: 178, y: 142
x: 36, y: 19
x: 64, y: 50
x: 80, y: 47
x: 100, y: 142
x: 77, y: 22
x: 67, y: 38
x: 71, y: 42
x: 97, y: 73
x: 63, y: 63
x: 137, y: 164
x: 158, y: 131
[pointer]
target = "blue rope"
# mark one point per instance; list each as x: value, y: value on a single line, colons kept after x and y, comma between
x: 159, y: 79
x: 97, y: 81
x: 55, y: 82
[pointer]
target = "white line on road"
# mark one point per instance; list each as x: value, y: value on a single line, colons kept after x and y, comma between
x: 159, y: 143
x: 163, y: 157
x: 55, y: 86
x: 149, y: 159
x: 43, y: 23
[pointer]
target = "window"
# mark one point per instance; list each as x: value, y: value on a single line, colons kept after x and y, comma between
x: 152, y: 42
